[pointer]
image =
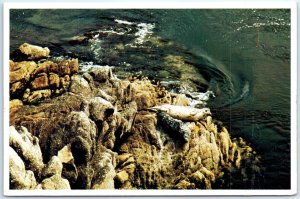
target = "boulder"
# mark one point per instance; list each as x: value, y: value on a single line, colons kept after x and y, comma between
x: 68, y: 67
x: 22, y: 71
x: 100, y: 109
x: 40, y: 82
x: 55, y: 182
x: 102, y: 74
x: 65, y: 154
x: 53, y: 167
x: 54, y: 80
x: 79, y: 86
x: 28, y: 148
x: 19, y: 178
x: 46, y: 67
x: 34, y: 52
x: 37, y: 95
x: 104, y: 175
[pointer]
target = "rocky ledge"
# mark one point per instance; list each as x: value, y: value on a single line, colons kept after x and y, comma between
x: 91, y: 130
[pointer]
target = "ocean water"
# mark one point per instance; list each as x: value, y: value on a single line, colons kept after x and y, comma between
x: 242, y: 55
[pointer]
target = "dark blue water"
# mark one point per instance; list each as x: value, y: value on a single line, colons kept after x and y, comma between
x: 243, y: 56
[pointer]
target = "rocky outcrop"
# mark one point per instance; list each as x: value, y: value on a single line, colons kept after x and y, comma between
x: 19, y: 177
x: 32, y: 81
x: 107, y: 133
x: 26, y: 167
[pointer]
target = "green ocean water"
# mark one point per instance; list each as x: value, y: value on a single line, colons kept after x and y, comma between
x: 243, y: 55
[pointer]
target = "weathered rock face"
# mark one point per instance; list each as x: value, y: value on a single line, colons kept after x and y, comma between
x: 19, y: 177
x: 28, y: 148
x: 107, y: 133
x: 26, y: 166
x: 80, y: 132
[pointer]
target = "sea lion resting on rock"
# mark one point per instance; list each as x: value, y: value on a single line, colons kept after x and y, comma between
x: 184, y: 113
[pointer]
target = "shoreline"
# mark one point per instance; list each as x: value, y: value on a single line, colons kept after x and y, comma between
x: 110, y: 137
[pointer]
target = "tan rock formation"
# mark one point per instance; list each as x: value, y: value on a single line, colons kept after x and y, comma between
x: 106, y: 134
x: 34, y: 52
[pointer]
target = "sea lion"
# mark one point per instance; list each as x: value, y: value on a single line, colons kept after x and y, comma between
x: 185, y: 113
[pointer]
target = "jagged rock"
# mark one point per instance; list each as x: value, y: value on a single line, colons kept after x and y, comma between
x: 197, y: 177
x: 185, y: 185
x: 145, y: 124
x: 129, y: 113
x: 21, y: 71
x: 84, y: 179
x: 55, y: 182
x: 81, y: 150
x: 102, y: 74
x: 122, y: 177
x: 100, y: 109
x: 19, y: 177
x: 53, y: 167
x: 70, y: 172
x: 102, y: 115
x: 104, y: 171
x: 124, y: 158
x: 34, y: 52
x: 79, y: 131
x: 65, y: 154
x: 80, y: 86
x: 28, y: 148
x: 68, y: 67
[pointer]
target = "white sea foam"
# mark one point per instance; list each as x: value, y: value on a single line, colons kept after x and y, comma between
x: 112, y: 32
x: 123, y: 22
x: 86, y: 66
x: 144, y: 29
x: 96, y: 48
x: 199, y: 99
x: 261, y: 24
